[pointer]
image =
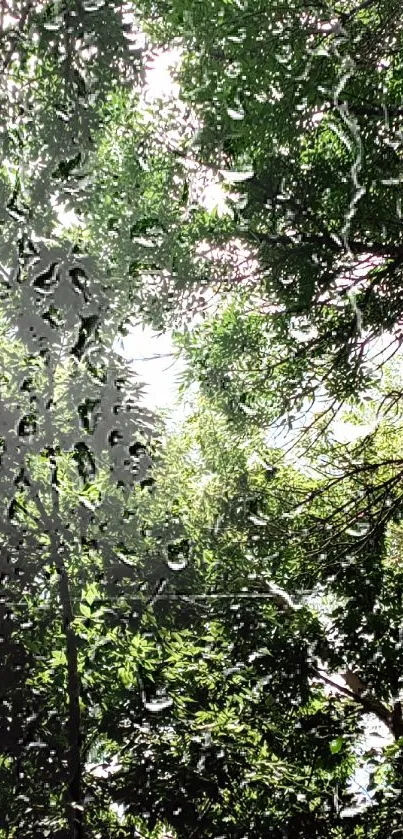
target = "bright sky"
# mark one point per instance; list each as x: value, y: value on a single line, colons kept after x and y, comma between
x: 152, y: 358
x: 152, y: 353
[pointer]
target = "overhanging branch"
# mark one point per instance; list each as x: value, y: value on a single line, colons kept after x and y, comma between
x: 356, y: 690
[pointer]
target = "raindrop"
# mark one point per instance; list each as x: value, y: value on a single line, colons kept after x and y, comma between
x: 239, y: 114
x: 236, y: 176
x: 258, y: 521
x: 177, y: 564
x: 158, y: 704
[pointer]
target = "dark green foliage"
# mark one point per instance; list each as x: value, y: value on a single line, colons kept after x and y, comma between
x: 181, y: 611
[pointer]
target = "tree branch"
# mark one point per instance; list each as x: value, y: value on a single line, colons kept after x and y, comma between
x: 356, y: 691
x: 370, y: 704
x: 347, y: 16
x: 322, y: 240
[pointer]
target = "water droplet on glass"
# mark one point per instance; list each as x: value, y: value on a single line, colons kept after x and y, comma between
x: 177, y: 564
x: 158, y: 704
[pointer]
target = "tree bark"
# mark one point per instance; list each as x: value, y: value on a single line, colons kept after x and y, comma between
x: 53, y: 525
x: 74, y: 787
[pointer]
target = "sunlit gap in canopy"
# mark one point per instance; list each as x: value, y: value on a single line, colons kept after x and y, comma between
x: 377, y: 350
x: 151, y: 353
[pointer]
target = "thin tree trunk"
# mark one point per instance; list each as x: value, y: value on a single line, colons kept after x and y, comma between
x: 53, y: 525
x: 74, y: 787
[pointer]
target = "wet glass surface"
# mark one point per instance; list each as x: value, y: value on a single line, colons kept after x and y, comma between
x: 201, y: 463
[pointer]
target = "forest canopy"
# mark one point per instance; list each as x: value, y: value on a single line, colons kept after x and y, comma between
x: 201, y: 619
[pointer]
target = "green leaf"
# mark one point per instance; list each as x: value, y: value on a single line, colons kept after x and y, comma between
x: 336, y: 745
x: 85, y: 610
